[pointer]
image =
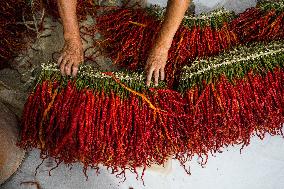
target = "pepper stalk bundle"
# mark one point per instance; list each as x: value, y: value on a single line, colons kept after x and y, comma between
x: 108, y: 118
x: 262, y: 23
x: 235, y: 95
x: 113, y: 119
x: 130, y: 33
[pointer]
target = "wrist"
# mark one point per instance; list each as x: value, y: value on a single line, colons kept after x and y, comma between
x: 68, y: 36
x: 164, y: 41
x: 73, y: 40
x: 163, y: 44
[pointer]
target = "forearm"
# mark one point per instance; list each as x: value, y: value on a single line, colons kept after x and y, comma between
x: 67, y: 11
x: 173, y: 18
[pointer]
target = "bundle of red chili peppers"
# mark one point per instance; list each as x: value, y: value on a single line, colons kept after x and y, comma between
x: 14, y: 16
x: 113, y: 119
x: 129, y: 34
x: 235, y: 95
x: 205, y: 35
x: 263, y: 23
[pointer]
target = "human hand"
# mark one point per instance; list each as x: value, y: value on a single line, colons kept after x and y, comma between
x: 155, y: 64
x: 71, y: 56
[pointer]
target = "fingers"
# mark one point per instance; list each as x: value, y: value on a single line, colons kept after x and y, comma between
x: 158, y: 73
x: 156, y: 76
x: 72, y: 55
x: 162, y: 72
x: 62, y: 66
x: 68, y: 67
x: 74, y: 70
x: 149, y: 76
x: 59, y: 60
x: 156, y: 63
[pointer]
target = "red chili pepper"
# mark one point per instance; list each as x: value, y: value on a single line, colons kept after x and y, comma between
x: 86, y: 130
x: 75, y: 121
x: 35, y: 115
x: 53, y: 116
x: 217, y: 44
x: 25, y: 122
x: 90, y: 131
x: 44, y: 93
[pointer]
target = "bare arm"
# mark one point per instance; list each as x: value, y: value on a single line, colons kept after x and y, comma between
x: 159, y: 53
x: 72, y: 53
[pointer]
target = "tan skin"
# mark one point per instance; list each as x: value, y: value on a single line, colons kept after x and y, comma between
x: 72, y: 53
